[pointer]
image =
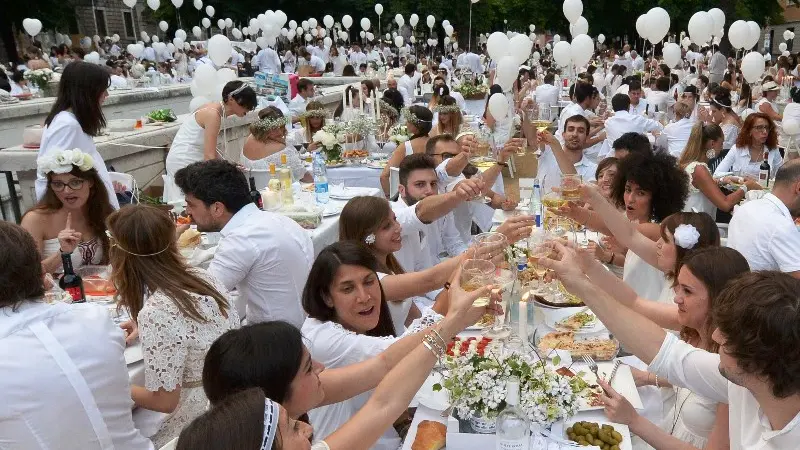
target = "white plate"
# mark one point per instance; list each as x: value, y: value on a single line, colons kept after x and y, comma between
x: 623, y: 383
x: 375, y: 166
x: 133, y: 353
x: 626, y: 443
x: 332, y: 209
x: 437, y: 401
x: 553, y: 316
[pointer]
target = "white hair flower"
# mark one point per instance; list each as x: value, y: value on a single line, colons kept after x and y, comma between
x: 686, y: 236
x: 63, y: 161
x: 370, y: 239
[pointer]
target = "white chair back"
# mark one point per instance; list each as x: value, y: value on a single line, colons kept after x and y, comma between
x: 261, y: 177
x: 171, y: 445
x: 394, y: 180
x: 126, y: 180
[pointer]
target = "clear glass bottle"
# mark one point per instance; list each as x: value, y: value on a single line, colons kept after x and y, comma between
x: 513, y: 430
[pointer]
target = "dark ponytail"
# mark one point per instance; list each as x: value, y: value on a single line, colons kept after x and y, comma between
x: 423, y: 120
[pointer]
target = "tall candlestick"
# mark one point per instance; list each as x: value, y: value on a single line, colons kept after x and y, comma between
x: 523, y: 322
x: 350, y: 98
x: 344, y: 98
x: 377, y: 109
x: 361, y: 100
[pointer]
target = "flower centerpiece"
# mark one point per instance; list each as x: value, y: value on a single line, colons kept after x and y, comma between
x: 331, y: 137
x: 40, y: 77
x: 399, y: 134
x: 477, y: 387
x: 471, y: 91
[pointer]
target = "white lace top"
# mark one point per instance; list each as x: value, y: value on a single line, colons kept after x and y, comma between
x: 293, y: 160
x: 175, y: 347
x: 697, y: 201
x: 334, y: 346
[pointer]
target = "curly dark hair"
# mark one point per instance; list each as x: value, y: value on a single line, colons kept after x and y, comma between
x: 214, y: 181
x: 758, y: 313
x: 658, y: 174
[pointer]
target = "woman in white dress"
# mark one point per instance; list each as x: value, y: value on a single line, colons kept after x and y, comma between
x: 758, y: 136
x: 289, y: 62
x: 76, y: 118
x: 72, y: 213
x: 693, y: 420
x: 180, y: 311
x: 705, y: 194
x: 272, y: 357
x: 267, y: 143
x: 196, y: 139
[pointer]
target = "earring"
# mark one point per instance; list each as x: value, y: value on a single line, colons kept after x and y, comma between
x: 710, y: 153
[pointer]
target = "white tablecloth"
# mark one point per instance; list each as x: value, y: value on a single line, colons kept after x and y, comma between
x: 328, y: 232
x: 355, y: 176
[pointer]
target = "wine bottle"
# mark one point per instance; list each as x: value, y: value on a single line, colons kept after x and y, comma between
x: 71, y: 282
x: 255, y: 196
x: 764, y: 171
x: 513, y: 431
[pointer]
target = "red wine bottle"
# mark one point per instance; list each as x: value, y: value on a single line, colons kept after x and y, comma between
x: 71, y: 282
x: 764, y: 171
x: 255, y: 196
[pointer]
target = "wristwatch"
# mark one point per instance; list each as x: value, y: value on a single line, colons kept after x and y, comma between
x: 502, y: 164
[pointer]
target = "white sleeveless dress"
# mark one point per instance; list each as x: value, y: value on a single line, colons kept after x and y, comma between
x: 697, y: 201
x: 187, y: 146
x: 691, y: 418
x: 89, y: 253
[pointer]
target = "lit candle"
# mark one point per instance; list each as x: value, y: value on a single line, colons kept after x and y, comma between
x: 377, y: 108
x: 523, y: 321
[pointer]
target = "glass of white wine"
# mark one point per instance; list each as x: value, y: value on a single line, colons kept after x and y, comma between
x: 475, y: 274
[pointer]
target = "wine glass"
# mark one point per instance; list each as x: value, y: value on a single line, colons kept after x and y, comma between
x: 475, y: 274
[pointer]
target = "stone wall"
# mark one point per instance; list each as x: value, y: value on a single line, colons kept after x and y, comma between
x: 113, y: 9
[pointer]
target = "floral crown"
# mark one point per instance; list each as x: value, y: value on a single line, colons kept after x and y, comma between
x: 388, y: 109
x: 321, y: 113
x: 686, y: 236
x: 62, y: 161
x: 370, y: 239
x: 445, y: 109
x: 266, y: 125
x: 412, y: 118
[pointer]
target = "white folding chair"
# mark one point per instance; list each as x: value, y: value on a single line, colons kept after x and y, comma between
x: 171, y: 445
x: 394, y: 180
x: 126, y: 180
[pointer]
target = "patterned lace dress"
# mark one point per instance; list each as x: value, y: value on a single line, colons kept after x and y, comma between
x: 174, y: 348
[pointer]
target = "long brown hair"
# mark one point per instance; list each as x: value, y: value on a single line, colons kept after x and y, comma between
x: 362, y: 216
x: 455, y: 117
x: 714, y: 267
x: 705, y: 226
x: 744, y: 140
x: 312, y: 106
x: 146, y: 230
x: 696, y: 146
x: 79, y: 91
x: 98, y: 207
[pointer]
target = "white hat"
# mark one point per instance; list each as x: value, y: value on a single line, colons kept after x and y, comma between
x: 770, y: 86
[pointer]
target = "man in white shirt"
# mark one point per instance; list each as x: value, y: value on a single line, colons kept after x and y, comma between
x: 624, y: 122
x: 586, y: 97
x: 756, y: 319
x: 570, y: 159
x: 372, y: 55
x: 547, y: 94
x: 625, y: 59
x: 763, y: 230
x: 448, y: 63
x: 407, y: 84
x: 638, y: 104
x: 659, y: 99
x: 268, y: 61
x: 63, y: 377
x: 265, y: 256
x: 357, y: 57
x: 717, y: 66
x: 307, y: 59
x: 149, y: 53
x: 637, y: 62
x: 321, y: 52
x: 305, y: 92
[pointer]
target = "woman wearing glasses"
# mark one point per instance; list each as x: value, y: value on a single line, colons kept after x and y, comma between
x: 757, y: 137
x: 70, y: 217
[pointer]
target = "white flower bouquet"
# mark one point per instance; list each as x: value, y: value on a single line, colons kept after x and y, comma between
x: 399, y: 134
x: 477, y: 386
x: 63, y: 161
x: 39, y: 77
x: 331, y: 137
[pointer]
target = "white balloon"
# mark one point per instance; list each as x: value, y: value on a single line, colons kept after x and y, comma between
x: 180, y: 34
x: 739, y: 34
x: 718, y: 17
x: 33, y: 26
x: 672, y: 54
x: 206, y: 22
x: 237, y: 34
x: 581, y: 49
x: 293, y: 24
x: 498, y: 106
x: 177, y: 42
x: 378, y: 9
x: 219, y: 49
x: 532, y: 27
x: 536, y: 56
x: 365, y: 24
x: 163, y: 25
x: 328, y: 21
x: 642, y: 25
x: 327, y: 41
x: 225, y: 75
x: 413, y: 20
x: 445, y: 23
x: 497, y: 45
x: 363, y: 34
x: 398, y: 41
x: 782, y: 46
x: 449, y: 30
x: 314, y: 32
x: 221, y: 24
x: 562, y: 53
x: 446, y: 40
x: 210, y: 11
x: 197, y: 103
x: 399, y: 20
x: 598, y: 80
x: 177, y: 3
x: 520, y: 48
x: 261, y: 42
x: 153, y: 4
x: 430, y: 21
x: 556, y: 39
x: 581, y: 26
x: 785, y: 53
x: 686, y: 42
x: 791, y: 126
x: 505, y: 73
x: 755, y: 34
x: 115, y: 37
x: 198, y: 4
x: 135, y: 50
x: 299, y: 31
x: 197, y: 32
x: 347, y: 21
x: 155, y: 38
x: 343, y: 35
x: 159, y: 47
x: 658, y: 23
x: 304, y: 24
x: 752, y: 66
x: 572, y: 10
x: 700, y: 27
x: 312, y: 22
x: 228, y: 23
x: 767, y: 57
x: 280, y: 18
x: 131, y: 3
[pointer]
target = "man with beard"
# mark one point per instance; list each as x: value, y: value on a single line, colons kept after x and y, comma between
x: 755, y: 320
x: 764, y: 231
x: 555, y: 160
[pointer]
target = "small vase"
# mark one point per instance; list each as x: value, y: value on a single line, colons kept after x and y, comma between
x: 49, y: 90
x: 483, y: 425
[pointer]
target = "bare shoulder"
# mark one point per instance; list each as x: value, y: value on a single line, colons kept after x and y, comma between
x: 37, y: 221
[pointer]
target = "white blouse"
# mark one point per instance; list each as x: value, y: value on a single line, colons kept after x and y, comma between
x: 334, y: 346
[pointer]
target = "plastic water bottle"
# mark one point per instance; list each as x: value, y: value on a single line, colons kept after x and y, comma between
x: 536, y: 203
x: 320, y: 179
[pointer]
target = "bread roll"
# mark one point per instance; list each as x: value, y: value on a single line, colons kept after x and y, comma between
x: 431, y: 435
x: 190, y: 238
